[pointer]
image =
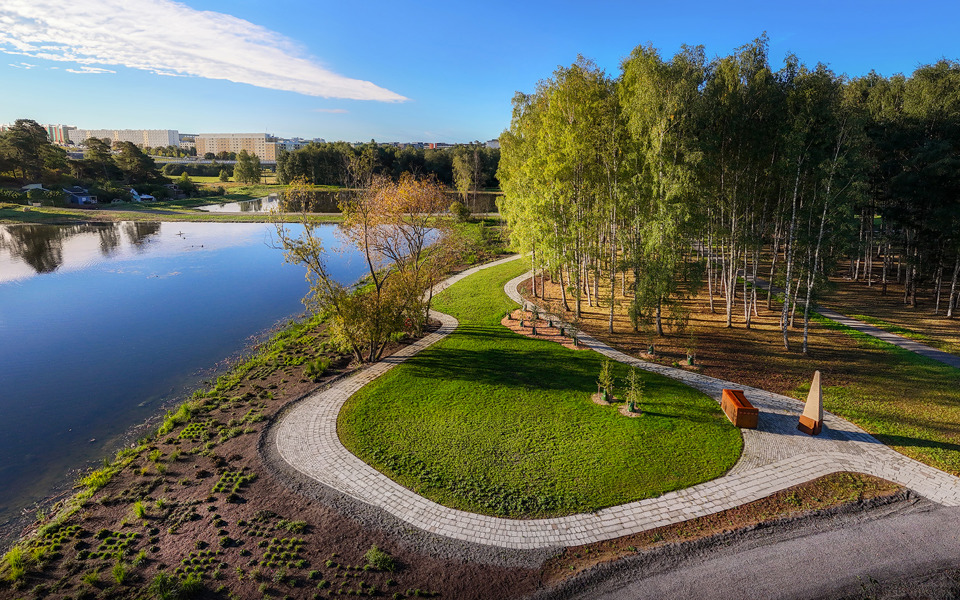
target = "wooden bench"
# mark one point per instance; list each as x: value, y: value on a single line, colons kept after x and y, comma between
x: 738, y: 409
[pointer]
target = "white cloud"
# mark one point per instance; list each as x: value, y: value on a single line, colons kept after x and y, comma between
x: 170, y: 38
x: 335, y: 111
x: 22, y: 65
x: 89, y: 70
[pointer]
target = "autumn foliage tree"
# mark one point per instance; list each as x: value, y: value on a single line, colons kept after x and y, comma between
x: 397, y: 227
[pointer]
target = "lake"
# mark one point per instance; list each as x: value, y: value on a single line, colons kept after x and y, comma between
x: 103, y: 325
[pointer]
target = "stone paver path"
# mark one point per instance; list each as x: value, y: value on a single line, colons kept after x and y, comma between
x: 776, y: 456
x: 906, y: 343
x: 891, y: 338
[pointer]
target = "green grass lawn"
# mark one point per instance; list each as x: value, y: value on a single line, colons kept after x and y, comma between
x: 497, y: 423
x: 894, y: 329
x: 905, y: 400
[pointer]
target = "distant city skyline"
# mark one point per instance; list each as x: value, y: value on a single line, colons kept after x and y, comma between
x: 439, y: 73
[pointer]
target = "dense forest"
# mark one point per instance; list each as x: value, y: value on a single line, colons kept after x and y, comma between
x: 685, y: 171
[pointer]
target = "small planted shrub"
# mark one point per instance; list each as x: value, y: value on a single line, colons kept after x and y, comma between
x: 92, y: 578
x: 635, y: 392
x: 140, y: 559
x: 460, y: 212
x: 605, y: 380
x: 16, y: 564
x: 191, y: 586
x: 231, y: 482
x: 315, y: 369
x: 380, y: 560
x: 293, y: 526
x: 120, y: 573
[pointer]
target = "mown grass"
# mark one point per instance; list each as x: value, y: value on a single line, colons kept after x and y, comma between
x: 160, y: 211
x: 893, y: 328
x: 493, y: 422
x: 905, y: 400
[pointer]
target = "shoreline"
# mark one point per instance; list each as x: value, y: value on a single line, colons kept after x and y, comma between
x: 14, y: 214
x: 24, y: 517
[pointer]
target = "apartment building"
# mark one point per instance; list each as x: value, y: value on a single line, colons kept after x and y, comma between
x: 152, y: 138
x: 263, y: 145
x: 57, y: 134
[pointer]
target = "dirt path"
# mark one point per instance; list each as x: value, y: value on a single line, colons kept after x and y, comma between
x: 885, y: 553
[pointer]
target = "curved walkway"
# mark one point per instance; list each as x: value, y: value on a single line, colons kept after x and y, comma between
x: 946, y: 358
x: 891, y: 338
x: 776, y: 456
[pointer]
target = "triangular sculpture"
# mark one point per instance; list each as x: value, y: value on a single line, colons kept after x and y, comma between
x: 811, y: 421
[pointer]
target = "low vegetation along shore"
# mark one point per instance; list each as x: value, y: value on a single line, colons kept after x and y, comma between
x: 171, y: 210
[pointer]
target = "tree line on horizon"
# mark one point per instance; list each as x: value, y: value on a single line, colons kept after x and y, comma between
x: 688, y: 171
x: 468, y: 168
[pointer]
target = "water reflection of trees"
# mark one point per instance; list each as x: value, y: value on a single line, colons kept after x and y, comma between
x: 312, y: 201
x: 139, y: 233
x: 41, y: 246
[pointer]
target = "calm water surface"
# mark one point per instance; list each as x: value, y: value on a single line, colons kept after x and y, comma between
x: 100, y: 325
x: 259, y: 205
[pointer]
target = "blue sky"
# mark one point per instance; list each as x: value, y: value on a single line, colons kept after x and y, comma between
x: 395, y: 71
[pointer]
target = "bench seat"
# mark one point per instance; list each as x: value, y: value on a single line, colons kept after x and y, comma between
x: 739, y: 410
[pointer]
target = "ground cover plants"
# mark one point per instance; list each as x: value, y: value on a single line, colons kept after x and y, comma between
x: 493, y: 422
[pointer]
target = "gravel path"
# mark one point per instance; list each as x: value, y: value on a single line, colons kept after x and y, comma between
x: 905, y: 549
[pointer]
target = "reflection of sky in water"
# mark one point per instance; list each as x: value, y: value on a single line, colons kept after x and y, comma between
x: 76, y: 247
x: 116, y: 324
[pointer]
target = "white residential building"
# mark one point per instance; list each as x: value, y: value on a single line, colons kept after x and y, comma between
x: 152, y: 138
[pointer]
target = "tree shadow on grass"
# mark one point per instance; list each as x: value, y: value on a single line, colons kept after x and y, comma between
x: 506, y: 367
x: 906, y: 441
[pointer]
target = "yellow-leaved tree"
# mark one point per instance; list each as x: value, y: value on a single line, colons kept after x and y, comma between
x: 402, y: 232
